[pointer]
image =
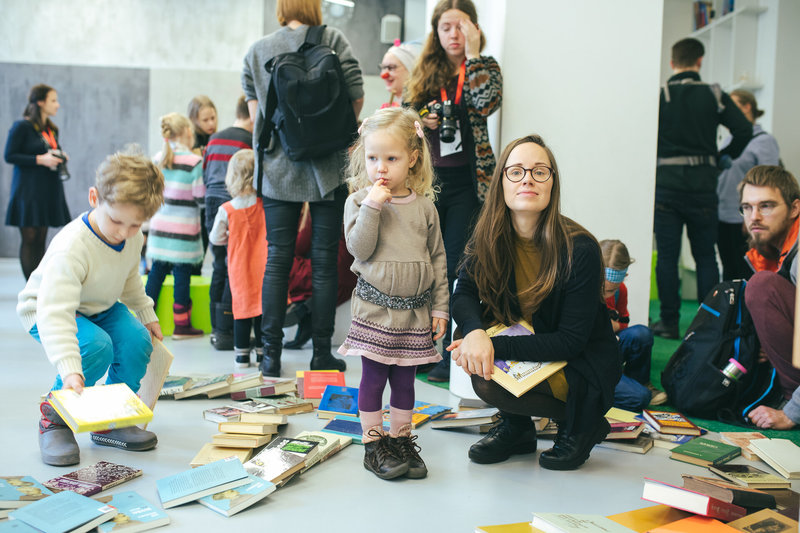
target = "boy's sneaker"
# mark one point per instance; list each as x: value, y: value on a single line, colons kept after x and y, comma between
x: 405, y: 447
x: 242, y: 357
x: 130, y: 438
x: 56, y: 441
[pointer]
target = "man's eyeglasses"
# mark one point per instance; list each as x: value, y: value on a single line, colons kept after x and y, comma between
x: 765, y: 208
x: 517, y: 173
x: 390, y: 68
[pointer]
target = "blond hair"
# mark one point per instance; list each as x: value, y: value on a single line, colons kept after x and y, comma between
x: 615, y: 254
x: 173, y: 125
x: 404, y: 125
x: 308, y: 12
x: 239, y: 176
x: 130, y: 177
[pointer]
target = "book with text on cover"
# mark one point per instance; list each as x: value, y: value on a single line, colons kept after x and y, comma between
x: 193, y: 484
x: 337, y: 400
x: 518, y: 377
x: 672, y: 423
x: 100, y: 407
x: 19, y: 491
x: 173, y: 385
x: 287, y: 404
x: 705, y: 452
x: 65, y: 511
x: 314, y: 382
x: 231, y: 501
x: 729, y: 492
x: 134, y: 513
x: 239, y: 382
x: 222, y: 414
x: 274, y: 464
x: 93, y: 479
x: 570, y: 523
x: 766, y: 521
x: 750, y: 476
x: 327, y: 443
x: 688, y: 500
x: 205, y: 385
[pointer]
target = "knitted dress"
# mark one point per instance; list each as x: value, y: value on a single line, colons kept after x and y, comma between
x: 398, y: 250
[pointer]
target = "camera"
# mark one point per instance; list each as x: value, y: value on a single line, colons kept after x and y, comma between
x: 63, y: 173
x: 447, y: 112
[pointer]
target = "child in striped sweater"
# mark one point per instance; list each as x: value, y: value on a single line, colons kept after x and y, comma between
x: 174, y: 243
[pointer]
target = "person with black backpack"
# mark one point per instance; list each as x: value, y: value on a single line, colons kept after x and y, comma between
x: 304, y: 91
x: 770, y: 204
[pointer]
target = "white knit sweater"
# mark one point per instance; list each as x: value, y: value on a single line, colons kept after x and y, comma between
x: 80, y: 274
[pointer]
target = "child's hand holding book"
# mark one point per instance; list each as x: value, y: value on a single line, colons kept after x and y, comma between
x: 74, y: 382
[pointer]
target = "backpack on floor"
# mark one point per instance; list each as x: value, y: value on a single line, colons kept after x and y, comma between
x: 721, y: 330
x: 308, y: 104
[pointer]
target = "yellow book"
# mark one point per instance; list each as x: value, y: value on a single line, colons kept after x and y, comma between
x: 210, y: 453
x: 248, y: 428
x: 518, y: 377
x: 101, y: 407
x: 519, y: 527
x: 237, y: 440
x: 647, y: 518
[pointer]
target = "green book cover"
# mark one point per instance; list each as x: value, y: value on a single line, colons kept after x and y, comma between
x: 702, y: 449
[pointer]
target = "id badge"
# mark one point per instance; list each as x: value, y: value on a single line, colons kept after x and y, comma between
x: 455, y: 147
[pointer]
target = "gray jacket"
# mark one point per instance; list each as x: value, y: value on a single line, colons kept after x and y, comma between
x: 283, y: 179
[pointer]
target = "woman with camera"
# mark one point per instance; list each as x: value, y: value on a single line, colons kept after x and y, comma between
x: 456, y: 89
x: 37, y: 195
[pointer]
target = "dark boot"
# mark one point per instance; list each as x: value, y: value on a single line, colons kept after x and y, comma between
x: 513, y: 435
x: 322, y: 358
x: 380, y: 457
x: 302, y: 335
x: 57, y: 443
x: 570, y: 451
x: 222, y: 327
x: 667, y: 330
x: 405, y: 447
x: 259, y: 354
x: 183, y: 322
x: 270, y: 365
x: 242, y: 357
x: 441, y: 372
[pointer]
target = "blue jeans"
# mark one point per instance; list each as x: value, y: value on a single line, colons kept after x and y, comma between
x: 326, y: 228
x: 182, y: 272
x: 113, y: 341
x: 636, y: 346
x: 673, y: 210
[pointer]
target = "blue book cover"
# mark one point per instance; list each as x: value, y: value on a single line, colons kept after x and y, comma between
x: 349, y: 426
x: 338, y: 399
x: 134, y: 513
x: 64, y: 511
x: 15, y: 526
x: 231, y: 501
x: 19, y: 491
x: 197, y: 482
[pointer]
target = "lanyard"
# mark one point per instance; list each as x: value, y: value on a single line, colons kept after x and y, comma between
x: 459, y: 87
x: 50, y: 138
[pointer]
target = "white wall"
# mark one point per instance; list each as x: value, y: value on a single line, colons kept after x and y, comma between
x: 585, y: 76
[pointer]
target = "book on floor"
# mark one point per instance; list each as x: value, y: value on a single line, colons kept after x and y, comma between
x: 694, y: 524
x: 689, y: 500
x: 647, y: 518
x: 622, y: 415
x: 14, y: 526
x: 742, y: 439
x: 210, y: 453
x: 471, y: 403
x: 156, y: 374
x: 239, y: 382
x: 781, y: 454
x: 264, y: 418
x: 705, y: 452
x: 239, y: 440
x: 729, y: 492
x: 641, y: 444
x: 268, y: 387
x: 274, y: 464
x: 345, y: 425
x: 173, y: 385
x: 203, y: 385
x: 518, y: 527
x: 252, y: 406
x: 231, y: 501
x: 193, y: 484
x: 327, y: 443
x: 247, y: 428
x: 287, y: 404
x: 315, y: 381
x: 19, y: 491
x: 749, y: 476
x: 93, y: 479
x: 134, y: 513
x: 665, y: 440
x: 766, y: 521
x: 337, y: 400
x: 518, y: 377
x: 222, y: 414
x: 473, y: 417
x: 433, y: 410
x: 65, y: 511
x: 569, y: 523
x: 417, y: 420
x: 100, y: 407
x: 308, y: 450
x: 672, y: 423
x: 624, y: 430
x: 785, y: 499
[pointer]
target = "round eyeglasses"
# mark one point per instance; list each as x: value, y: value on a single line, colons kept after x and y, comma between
x: 539, y: 174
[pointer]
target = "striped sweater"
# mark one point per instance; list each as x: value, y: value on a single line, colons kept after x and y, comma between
x: 175, y: 230
x: 483, y: 91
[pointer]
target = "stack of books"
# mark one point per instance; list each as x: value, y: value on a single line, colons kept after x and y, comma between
x: 311, y: 383
x: 327, y: 443
x: 182, y: 387
x: 668, y: 429
x: 259, y: 386
x: 240, y: 438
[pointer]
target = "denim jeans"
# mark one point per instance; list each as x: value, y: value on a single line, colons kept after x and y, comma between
x: 326, y: 227
x: 673, y: 210
x: 113, y: 341
x: 182, y: 272
x: 220, y: 289
x: 636, y: 346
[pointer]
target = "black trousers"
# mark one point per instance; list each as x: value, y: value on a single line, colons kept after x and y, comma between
x: 732, y: 245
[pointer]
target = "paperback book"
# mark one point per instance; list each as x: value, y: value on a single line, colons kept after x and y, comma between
x: 274, y: 464
x: 625, y: 430
x: 688, y: 500
x: 100, y: 407
x: 695, y: 524
x: 568, y: 523
x: 231, y: 501
x: 19, y: 491
x: 765, y: 521
x: 237, y: 440
x: 134, y: 513
x: 239, y: 382
x: 252, y: 406
x: 173, y: 385
x: 315, y: 381
x: 65, y: 511
x: 193, y: 484
x: 268, y: 387
x: 327, y: 444
x: 210, y: 453
x: 705, y: 452
x: 345, y: 425
x: 222, y: 414
x: 648, y: 518
x: 337, y: 400
x: 671, y: 423
x: 204, y: 385
x: 781, y: 454
x: 742, y: 439
x: 156, y: 374
x: 749, y: 476
x: 247, y: 428
x: 641, y: 444
x: 474, y: 417
x: 93, y: 479
x: 287, y: 404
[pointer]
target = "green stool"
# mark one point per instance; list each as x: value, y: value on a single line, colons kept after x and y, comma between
x: 198, y: 292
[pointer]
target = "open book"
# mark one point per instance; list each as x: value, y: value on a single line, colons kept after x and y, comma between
x: 518, y: 377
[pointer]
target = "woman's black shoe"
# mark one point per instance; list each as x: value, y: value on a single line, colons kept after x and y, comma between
x: 571, y: 451
x: 302, y: 335
x: 441, y: 372
x: 507, y: 438
x: 270, y: 364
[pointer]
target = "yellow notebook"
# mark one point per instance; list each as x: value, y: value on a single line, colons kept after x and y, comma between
x: 101, y: 407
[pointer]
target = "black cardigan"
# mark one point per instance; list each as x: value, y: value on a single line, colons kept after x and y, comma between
x: 571, y: 324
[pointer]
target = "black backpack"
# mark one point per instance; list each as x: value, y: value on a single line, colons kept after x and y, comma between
x: 693, y: 378
x: 308, y: 103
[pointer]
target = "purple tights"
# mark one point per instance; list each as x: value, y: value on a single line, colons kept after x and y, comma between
x: 374, y: 376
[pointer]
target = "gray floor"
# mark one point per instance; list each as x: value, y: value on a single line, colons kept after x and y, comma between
x: 338, y: 494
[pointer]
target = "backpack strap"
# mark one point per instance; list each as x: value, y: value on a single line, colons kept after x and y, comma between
x: 313, y: 36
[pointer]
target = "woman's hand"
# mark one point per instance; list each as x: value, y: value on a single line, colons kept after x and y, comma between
x: 438, y: 327
x: 155, y: 330
x: 379, y: 193
x: 74, y: 382
x: 474, y: 353
x: 431, y: 120
x: 472, y: 38
x: 767, y: 417
x: 48, y: 160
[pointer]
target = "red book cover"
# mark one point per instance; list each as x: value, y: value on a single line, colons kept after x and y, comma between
x: 314, y: 382
x: 689, y: 500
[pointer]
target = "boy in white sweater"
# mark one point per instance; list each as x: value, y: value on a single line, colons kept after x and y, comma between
x: 75, y: 302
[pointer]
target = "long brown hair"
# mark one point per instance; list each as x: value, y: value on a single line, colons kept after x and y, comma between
x: 433, y: 69
x: 490, y: 252
x: 33, y: 112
